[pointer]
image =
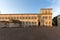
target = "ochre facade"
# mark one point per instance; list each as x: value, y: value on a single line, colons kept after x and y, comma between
x: 44, y: 18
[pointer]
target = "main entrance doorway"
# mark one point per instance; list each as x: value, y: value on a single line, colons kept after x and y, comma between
x: 38, y: 23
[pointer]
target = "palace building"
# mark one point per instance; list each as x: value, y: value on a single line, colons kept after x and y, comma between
x: 44, y: 18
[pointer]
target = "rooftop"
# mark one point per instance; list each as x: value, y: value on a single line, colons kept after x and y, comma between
x: 46, y: 9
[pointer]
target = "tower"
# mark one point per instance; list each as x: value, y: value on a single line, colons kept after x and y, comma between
x: 46, y: 17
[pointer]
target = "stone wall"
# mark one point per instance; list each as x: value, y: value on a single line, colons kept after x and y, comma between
x: 14, y: 25
x: 3, y: 24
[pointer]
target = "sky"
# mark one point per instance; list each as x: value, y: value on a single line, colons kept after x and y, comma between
x: 28, y: 6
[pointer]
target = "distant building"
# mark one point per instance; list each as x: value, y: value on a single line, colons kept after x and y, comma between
x: 58, y: 20
x: 44, y: 18
x: 54, y: 21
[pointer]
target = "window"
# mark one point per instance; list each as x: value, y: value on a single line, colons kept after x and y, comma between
x: 46, y: 17
x: 8, y: 17
x: 49, y: 22
x: 26, y: 22
x: 42, y: 11
x: 5, y: 17
x: 32, y: 18
x: 49, y: 11
x: 20, y: 17
x: 17, y: 17
x: 35, y: 17
x: 26, y: 17
x: 46, y: 11
x: 2, y: 17
x: 43, y: 17
x: 32, y: 22
x: 46, y: 22
x: 29, y: 17
x: 29, y: 23
x: 35, y: 22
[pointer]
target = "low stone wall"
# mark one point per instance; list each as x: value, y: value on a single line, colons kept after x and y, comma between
x: 14, y: 25
x: 4, y: 24
x: 9, y: 24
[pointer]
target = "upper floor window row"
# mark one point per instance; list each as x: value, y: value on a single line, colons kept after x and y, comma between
x: 47, y: 17
x: 46, y: 11
x: 18, y: 17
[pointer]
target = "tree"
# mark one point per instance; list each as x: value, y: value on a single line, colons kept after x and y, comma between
x: 54, y: 21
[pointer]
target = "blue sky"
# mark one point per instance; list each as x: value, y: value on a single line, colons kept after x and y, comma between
x: 29, y: 6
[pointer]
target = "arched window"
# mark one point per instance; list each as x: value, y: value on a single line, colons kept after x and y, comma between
x: 42, y: 11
